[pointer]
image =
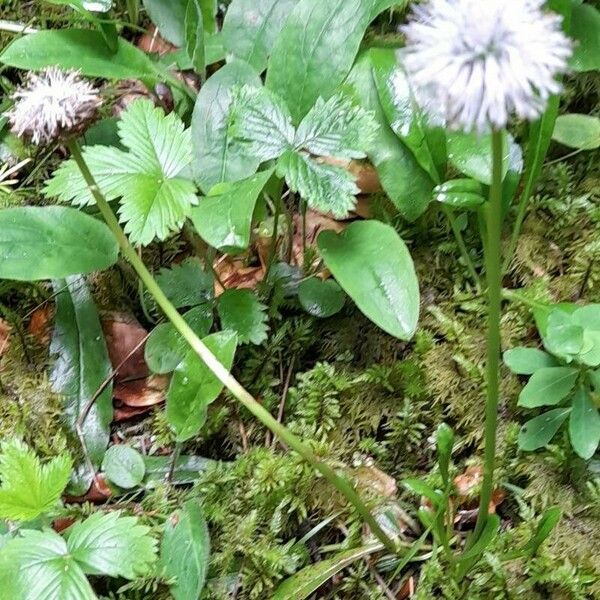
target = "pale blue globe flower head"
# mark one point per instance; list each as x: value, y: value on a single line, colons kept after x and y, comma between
x: 53, y: 104
x: 474, y: 63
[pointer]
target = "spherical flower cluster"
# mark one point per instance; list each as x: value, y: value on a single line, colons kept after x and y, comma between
x: 476, y: 62
x: 53, y: 104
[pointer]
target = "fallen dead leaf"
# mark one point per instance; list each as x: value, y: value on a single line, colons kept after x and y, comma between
x: 365, y: 174
x: 99, y: 492
x: 467, y: 486
x: 234, y: 273
x: 142, y: 392
x: 4, y: 336
x: 154, y: 43
x: 122, y: 412
x: 40, y: 324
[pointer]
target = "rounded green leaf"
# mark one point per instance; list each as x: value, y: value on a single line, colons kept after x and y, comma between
x: 584, y: 425
x: 374, y: 267
x: 548, y: 386
x: 52, y: 242
x: 577, y: 131
x: 124, y: 466
x: 169, y: 18
x: 321, y: 298
x: 538, y: 432
x: 585, y: 29
x: 526, y: 361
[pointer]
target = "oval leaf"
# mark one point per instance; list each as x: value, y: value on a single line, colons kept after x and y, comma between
x: 548, y: 386
x: 585, y: 29
x: 51, y: 242
x: 584, y: 425
x: 526, y: 361
x: 372, y: 264
x: 539, y: 431
x: 320, y: 298
x: 124, y: 466
x: 577, y: 131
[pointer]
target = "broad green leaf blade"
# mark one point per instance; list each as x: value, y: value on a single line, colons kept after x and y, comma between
x: 584, y: 424
x: 526, y: 361
x: 262, y: 122
x: 585, y: 29
x: 166, y: 348
x: 539, y: 431
x: 169, y: 18
x: 241, y: 311
x: 304, y: 583
x: 109, y: 544
x: 185, y: 551
x: 186, y: 284
x: 325, y: 187
x: 29, y: 488
x: 320, y: 298
x: 548, y: 386
x: 251, y: 28
x: 52, y: 241
x: 216, y: 157
x: 82, y: 365
x: 37, y: 565
x: 563, y: 337
x: 193, y: 386
x: 403, y: 114
x: 224, y: 221
x: 372, y: 264
x: 124, y: 466
x: 316, y: 49
x: 407, y: 184
x: 187, y: 469
x: 81, y: 49
x: 577, y: 131
x: 336, y: 128
x: 194, y: 35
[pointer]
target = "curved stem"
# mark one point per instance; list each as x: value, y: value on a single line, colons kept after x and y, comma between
x: 493, y: 258
x: 211, y: 361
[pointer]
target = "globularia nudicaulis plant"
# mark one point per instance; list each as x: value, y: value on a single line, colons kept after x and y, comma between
x: 211, y: 188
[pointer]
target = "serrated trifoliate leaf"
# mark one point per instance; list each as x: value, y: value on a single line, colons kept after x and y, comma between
x: 539, y: 431
x: 217, y: 157
x: 373, y: 265
x: 548, y: 386
x: 584, y: 424
x: 194, y: 386
x: 81, y: 368
x: 48, y: 242
x: 320, y: 298
x: 338, y: 128
x: 124, y: 466
x: 241, y: 311
x: 166, y: 347
x: 38, y: 564
x: 28, y: 487
x: 224, y: 221
x: 113, y: 545
x: 155, y: 195
x: 186, y: 284
x: 325, y: 187
x: 526, y: 361
x: 185, y: 551
x: 261, y: 121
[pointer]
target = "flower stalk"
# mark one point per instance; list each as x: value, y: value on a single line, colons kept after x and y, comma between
x: 220, y: 372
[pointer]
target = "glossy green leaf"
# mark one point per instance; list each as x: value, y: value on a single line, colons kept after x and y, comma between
x: 402, y: 111
x: 251, y: 28
x: 542, y: 314
x: 28, y: 487
x: 539, y: 431
x: 526, y: 361
x: 193, y: 386
x: 169, y: 18
x: 124, y: 466
x: 577, y: 131
x: 188, y: 469
x: 241, y: 311
x: 548, y: 386
x: 374, y: 267
x: 166, y: 348
x: 186, y: 284
x: 50, y: 242
x: 563, y: 336
x: 194, y: 35
x: 407, y: 184
x: 584, y: 424
x: 81, y: 367
x: 316, y: 49
x: 320, y: 298
x: 224, y: 221
x: 113, y: 545
x: 185, y: 551
x: 304, y: 583
x: 38, y: 564
x: 81, y: 49
x: 585, y: 29
x: 216, y: 157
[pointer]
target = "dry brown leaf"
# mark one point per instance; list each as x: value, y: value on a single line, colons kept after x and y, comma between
x: 122, y: 412
x: 234, y: 273
x: 40, y: 324
x: 4, y: 336
x: 125, y: 340
x: 365, y: 174
x: 142, y: 392
x: 99, y: 492
x: 154, y: 43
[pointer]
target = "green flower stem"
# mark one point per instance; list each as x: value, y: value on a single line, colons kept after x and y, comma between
x: 493, y: 266
x: 220, y: 372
